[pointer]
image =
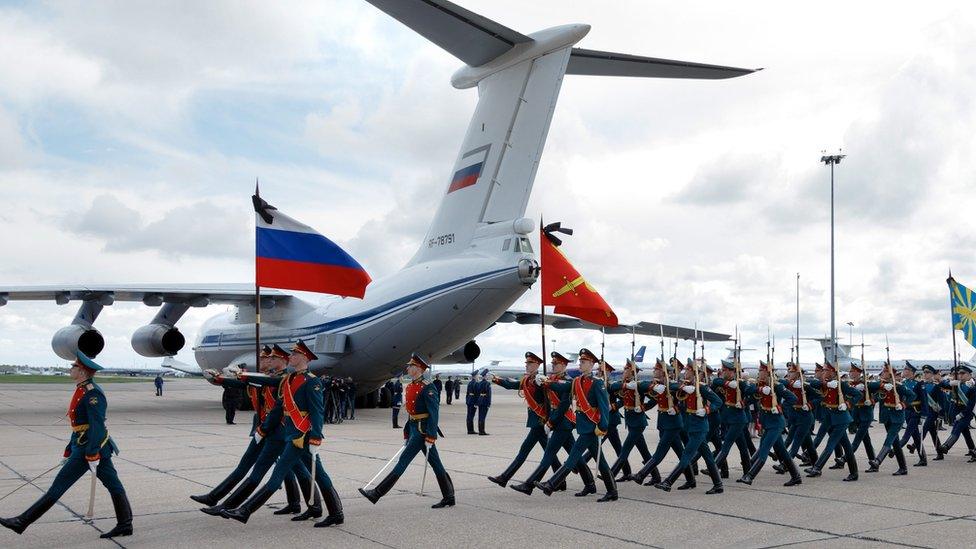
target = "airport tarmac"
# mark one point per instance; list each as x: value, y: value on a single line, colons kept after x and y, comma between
x: 178, y: 444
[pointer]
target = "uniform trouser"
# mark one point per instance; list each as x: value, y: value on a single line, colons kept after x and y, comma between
x: 930, y: 427
x: 837, y: 438
x: 961, y: 428
x: 472, y: 410
x: 733, y: 433
x: 634, y: 439
x: 863, y: 436
x: 297, y: 461
x: 893, y: 428
x: 613, y: 437
x: 482, y: 416
x: 536, y: 435
x: 912, y: 431
x: 821, y: 434
x: 352, y: 406
x: 415, y: 444
x: 586, y: 447
x: 396, y: 415
x: 450, y: 396
x: 771, y: 441
x: 696, y: 446
x: 76, y: 466
x: 272, y: 449
x: 229, y: 412
x: 159, y: 391
x: 800, y: 429
x: 560, y: 438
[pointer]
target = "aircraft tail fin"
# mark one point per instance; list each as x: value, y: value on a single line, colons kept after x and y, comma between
x: 605, y: 63
x: 639, y: 357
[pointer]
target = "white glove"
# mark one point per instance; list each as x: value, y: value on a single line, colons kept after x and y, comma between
x: 632, y: 385
x: 832, y: 384
x: 700, y: 413
x: 314, y: 448
x: 842, y: 407
x: 958, y: 417
x: 210, y: 374
x: 541, y: 379
x: 490, y: 377
x: 970, y: 383
x: 233, y: 370
x: 257, y: 437
x: 93, y: 465
x: 859, y: 386
x: 766, y: 390
x: 954, y: 383
x: 806, y: 407
x: 688, y: 389
x: 732, y: 384
x: 547, y: 429
x: 671, y: 412
x: 659, y: 388
x: 798, y: 384
x: 888, y: 386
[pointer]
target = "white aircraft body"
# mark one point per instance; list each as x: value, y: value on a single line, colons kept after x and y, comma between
x: 476, y: 259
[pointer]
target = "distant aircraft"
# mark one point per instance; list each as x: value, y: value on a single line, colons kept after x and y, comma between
x: 476, y: 259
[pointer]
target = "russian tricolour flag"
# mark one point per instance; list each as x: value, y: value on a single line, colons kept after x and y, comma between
x: 293, y: 256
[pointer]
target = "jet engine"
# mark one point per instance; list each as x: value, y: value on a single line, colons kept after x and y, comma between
x: 465, y: 355
x: 157, y: 340
x: 75, y: 337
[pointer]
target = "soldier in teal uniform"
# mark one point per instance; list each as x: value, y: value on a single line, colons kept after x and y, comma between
x: 90, y: 449
x: 589, y: 393
x: 271, y: 362
x: 537, y: 409
x: 484, y: 402
x: 800, y: 420
x: 632, y: 395
x: 772, y: 397
x: 894, y: 397
x: 838, y: 396
x: 613, y: 432
x: 303, y: 413
x: 733, y: 419
x: 669, y: 425
x: 933, y: 401
x: 912, y: 437
x: 560, y: 425
x: 420, y: 435
x: 863, y: 413
x: 963, y: 395
x: 695, y: 398
x: 471, y: 396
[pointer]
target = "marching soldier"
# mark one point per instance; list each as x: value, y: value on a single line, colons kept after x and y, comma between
x: 964, y: 397
x: 669, y: 426
x: 303, y: 414
x: 695, y: 399
x: 613, y: 432
x: 801, y: 417
x: 632, y: 395
x: 892, y: 415
x: 484, y: 402
x: 912, y: 436
x: 560, y: 423
x: 772, y: 397
x: 90, y: 449
x: 933, y: 401
x: 589, y: 393
x: 837, y: 394
x: 471, y: 400
x: 420, y: 435
x: 863, y: 413
x: 272, y: 361
x: 733, y: 418
x: 538, y: 414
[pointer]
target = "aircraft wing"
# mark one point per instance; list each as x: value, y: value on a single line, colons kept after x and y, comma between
x: 640, y: 328
x: 195, y: 295
x: 173, y: 364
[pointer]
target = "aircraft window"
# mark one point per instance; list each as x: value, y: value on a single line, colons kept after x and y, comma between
x: 508, y: 242
x: 524, y: 246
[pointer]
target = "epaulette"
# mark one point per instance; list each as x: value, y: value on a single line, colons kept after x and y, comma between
x: 89, y: 386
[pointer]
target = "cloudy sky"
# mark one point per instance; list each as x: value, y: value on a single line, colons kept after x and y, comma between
x: 131, y: 134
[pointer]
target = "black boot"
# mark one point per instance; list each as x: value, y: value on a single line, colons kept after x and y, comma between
x: 851, y: 468
x: 666, y: 483
x: 640, y: 476
x: 750, y: 475
x: 549, y: 486
x: 875, y: 463
x: 611, y: 486
x: 795, y: 477
x: 589, y: 484
x: 502, y: 479
x: 123, y: 517
x: 923, y: 459
x: 947, y: 445
x: 380, y: 490
x: 447, y: 491
x: 246, y: 488
x: 716, y: 476
x: 939, y: 454
x: 723, y: 469
x: 314, y: 510
x: 244, y: 512
x: 900, y: 458
x: 334, y: 506
x: 481, y: 429
x: 617, y: 466
x: 293, y: 496
x: 22, y: 521
x: 213, y: 496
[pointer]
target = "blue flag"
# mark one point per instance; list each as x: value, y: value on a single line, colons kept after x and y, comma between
x: 963, y: 304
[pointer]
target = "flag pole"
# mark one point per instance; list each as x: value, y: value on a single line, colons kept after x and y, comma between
x: 542, y: 306
x: 952, y: 325
x: 257, y: 298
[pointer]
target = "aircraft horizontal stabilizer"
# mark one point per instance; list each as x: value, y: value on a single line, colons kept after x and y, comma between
x: 605, y: 63
x: 466, y: 35
x: 640, y: 328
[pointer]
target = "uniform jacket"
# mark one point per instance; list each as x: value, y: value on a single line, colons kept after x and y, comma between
x: 86, y: 414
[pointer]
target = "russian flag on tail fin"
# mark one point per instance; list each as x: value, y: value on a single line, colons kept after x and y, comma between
x: 291, y: 255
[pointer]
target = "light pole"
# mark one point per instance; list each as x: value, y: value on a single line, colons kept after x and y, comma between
x: 851, y: 338
x: 832, y: 160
